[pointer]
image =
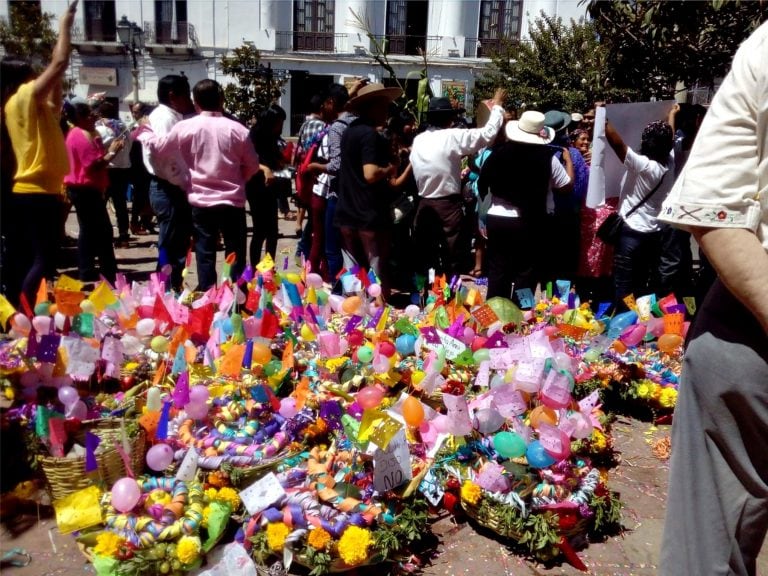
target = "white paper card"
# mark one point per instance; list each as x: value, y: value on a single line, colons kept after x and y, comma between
x: 262, y: 493
x: 188, y: 467
x: 392, y: 467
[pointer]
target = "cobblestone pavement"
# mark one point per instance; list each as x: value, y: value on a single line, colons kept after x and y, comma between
x: 640, y: 477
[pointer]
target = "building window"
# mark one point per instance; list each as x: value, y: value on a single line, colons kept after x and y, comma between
x: 171, y: 25
x: 313, y: 25
x: 100, y: 21
x: 406, y: 26
x: 499, y: 21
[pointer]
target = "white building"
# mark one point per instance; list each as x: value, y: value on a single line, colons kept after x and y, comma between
x: 312, y: 42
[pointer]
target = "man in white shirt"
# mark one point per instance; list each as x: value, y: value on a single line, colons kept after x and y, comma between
x: 717, y: 505
x: 436, y: 160
x: 170, y: 179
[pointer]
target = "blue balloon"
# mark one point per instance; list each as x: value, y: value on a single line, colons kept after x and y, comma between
x: 538, y: 457
x: 404, y: 344
x: 620, y: 322
x: 226, y: 326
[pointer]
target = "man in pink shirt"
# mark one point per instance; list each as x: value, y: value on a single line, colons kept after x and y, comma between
x: 220, y: 159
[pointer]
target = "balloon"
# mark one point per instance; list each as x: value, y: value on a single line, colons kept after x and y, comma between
x: 416, y: 377
x: 633, y: 335
x: 467, y: 336
x: 538, y: 457
x: 374, y: 290
x: 196, y: 410
x: 365, y: 354
x: 159, y: 457
x: 261, y: 353
x: 77, y: 410
x: 336, y: 301
x: 21, y: 323
x: 496, y: 381
x: 352, y: 305
x: 356, y: 338
x: 428, y: 432
x: 125, y: 494
x: 619, y: 346
x: 582, y: 425
x: 59, y: 320
x: 159, y: 344
x: 369, y: 397
x: 488, y: 420
x: 558, y: 309
x: 477, y: 343
x: 509, y: 444
x: 405, y: 344
x: 656, y: 326
x: 542, y: 415
x: 42, y: 324
x: 145, y: 326
x: 591, y: 355
x: 481, y: 355
x: 620, y: 322
x: 380, y: 364
x: 199, y: 394
x: 413, y: 412
x: 669, y: 343
x: 288, y: 407
x: 273, y: 367
x: 68, y: 395
x: 314, y: 280
x: 307, y: 334
x: 43, y: 309
x: 412, y: 311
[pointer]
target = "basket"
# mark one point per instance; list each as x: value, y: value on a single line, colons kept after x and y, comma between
x: 64, y: 476
x: 490, y: 519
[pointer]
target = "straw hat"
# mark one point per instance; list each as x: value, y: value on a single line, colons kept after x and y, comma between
x: 530, y: 129
x: 374, y: 91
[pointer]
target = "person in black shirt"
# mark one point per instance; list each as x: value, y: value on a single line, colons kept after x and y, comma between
x: 362, y: 212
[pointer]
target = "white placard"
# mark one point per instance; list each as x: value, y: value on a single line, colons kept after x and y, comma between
x: 392, y: 467
x: 188, y: 467
x: 262, y: 493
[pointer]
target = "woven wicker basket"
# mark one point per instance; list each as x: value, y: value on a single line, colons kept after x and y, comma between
x: 492, y: 521
x: 67, y: 475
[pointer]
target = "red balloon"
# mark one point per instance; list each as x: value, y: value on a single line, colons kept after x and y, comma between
x: 369, y: 397
x: 387, y: 349
x: 355, y: 338
x: 478, y: 342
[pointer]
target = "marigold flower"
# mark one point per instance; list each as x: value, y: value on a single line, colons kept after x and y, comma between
x: 277, y: 532
x: 471, y: 492
x: 354, y: 545
x: 668, y: 397
x: 188, y: 549
x: 229, y: 496
x: 107, y: 544
x: 318, y: 539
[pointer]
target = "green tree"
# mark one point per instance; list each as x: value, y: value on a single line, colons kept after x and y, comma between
x: 257, y: 86
x: 561, y: 67
x: 656, y: 43
x: 28, y: 33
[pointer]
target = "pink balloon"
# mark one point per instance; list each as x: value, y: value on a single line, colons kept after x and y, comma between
x: 412, y: 311
x: 196, y: 410
x: 125, y: 494
x: 78, y: 410
x: 336, y: 301
x: 159, y: 457
x: 369, y: 397
x: 314, y: 280
x: 374, y: 290
x: 633, y: 335
x: 468, y: 335
x: 288, y: 407
x: 42, y: 324
x: 380, y: 364
x: 199, y: 394
x: 68, y: 395
x: 656, y: 326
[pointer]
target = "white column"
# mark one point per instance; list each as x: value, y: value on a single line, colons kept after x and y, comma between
x: 447, y: 19
x: 347, y: 24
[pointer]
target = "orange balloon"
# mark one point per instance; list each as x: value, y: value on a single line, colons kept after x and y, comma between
x: 261, y: 353
x: 413, y: 412
x: 351, y: 305
x: 669, y: 343
x: 542, y: 415
x: 619, y: 346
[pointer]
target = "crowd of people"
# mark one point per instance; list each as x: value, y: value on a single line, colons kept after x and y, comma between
x: 504, y: 197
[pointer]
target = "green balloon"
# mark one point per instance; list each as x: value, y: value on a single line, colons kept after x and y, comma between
x: 364, y: 354
x: 273, y: 367
x: 592, y: 355
x: 322, y: 297
x: 481, y: 355
x: 509, y: 444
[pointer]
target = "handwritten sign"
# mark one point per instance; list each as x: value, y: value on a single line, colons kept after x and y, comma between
x: 188, y: 467
x: 392, y: 467
x: 262, y: 493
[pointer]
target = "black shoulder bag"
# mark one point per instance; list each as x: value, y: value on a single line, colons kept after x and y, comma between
x: 610, y: 230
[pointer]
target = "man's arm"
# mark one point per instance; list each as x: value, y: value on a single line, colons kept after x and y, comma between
x: 566, y: 188
x: 373, y: 172
x: 472, y: 140
x: 742, y: 264
x: 616, y: 142
x: 48, y: 84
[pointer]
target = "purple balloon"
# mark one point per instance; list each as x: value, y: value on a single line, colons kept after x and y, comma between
x: 77, y: 410
x: 196, y: 410
x: 198, y: 394
x: 159, y: 457
x: 125, y: 494
x: 68, y: 395
x: 288, y: 407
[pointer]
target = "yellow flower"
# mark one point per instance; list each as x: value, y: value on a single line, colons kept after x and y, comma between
x: 333, y: 364
x: 541, y: 306
x: 656, y: 391
x: 318, y: 539
x: 107, y: 544
x: 555, y: 300
x: 644, y: 390
x: 668, y: 397
x: 159, y: 497
x: 211, y: 494
x: 277, y: 532
x: 354, y: 545
x: 188, y: 549
x: 599, y: 442
x: 229, y: 496
x: 206, y: 514
x: 471, y: 492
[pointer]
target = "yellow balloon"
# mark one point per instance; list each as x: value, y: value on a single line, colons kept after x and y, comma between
x: 307, y: 334
x: 159, y: 344
x: 292, y: 277
x: 417, y: 377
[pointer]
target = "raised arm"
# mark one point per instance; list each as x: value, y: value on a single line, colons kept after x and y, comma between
x: 616, y: 142
x: 48, y: 84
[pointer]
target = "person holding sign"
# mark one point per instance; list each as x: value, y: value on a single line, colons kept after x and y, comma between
x: 717, y: 506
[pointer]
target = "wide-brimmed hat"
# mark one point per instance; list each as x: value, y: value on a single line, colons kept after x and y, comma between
x: 441, y: 106
x: 530, y: 129
x: 557, y: 120
x: 374, y: 91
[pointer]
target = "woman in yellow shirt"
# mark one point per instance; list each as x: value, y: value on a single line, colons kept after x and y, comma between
x: 31, y: 113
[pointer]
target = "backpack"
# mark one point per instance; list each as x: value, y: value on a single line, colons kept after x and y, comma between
x: 305, y: 179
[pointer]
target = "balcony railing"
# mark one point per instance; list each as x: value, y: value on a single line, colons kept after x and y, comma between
x: 287, y: 41
x: 487, y: 47
x: 170, y: 34
x: 410, y: 45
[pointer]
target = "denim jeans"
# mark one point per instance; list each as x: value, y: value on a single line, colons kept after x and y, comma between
x: 171, y: 207
x: 332, y: 239
x: 635, y: 261
x: 208, y: 223
x: 95, y: 238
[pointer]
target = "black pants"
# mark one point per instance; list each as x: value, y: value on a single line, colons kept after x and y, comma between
x: 119, y: 178
x: 635, y: 262
x: 262, y: 203
x: 175, y: 222
x: 441, y: 234
x: 208, y: 223
x: 95, y: 239
x: 510, y: 255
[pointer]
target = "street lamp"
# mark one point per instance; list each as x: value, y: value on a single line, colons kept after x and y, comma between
x: 131, y: 36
